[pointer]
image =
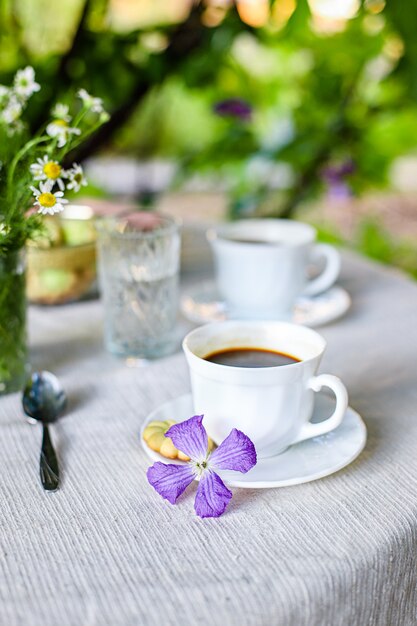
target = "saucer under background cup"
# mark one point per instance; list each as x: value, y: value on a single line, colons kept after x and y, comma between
x: 300, y: 463
x: 203, y: 304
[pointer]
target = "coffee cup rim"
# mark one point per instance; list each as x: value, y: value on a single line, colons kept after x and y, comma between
x: 255, y: 324
x: 221, y: 232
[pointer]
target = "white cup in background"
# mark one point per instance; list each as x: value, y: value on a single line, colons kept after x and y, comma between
x: 261, y: 266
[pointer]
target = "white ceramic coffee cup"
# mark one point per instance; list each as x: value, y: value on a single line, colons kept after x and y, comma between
x: 263, y: 280
x: 272, y: 405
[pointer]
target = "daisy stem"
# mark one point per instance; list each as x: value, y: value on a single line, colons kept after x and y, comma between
x: 21, y: 154
x: 75, y: 124
x: 85, y: 135
x: 80, y: 116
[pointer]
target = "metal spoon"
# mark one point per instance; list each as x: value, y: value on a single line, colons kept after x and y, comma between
x: 43, y: 400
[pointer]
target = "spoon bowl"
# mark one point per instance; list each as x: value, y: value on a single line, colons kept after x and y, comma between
x: 44, y: 398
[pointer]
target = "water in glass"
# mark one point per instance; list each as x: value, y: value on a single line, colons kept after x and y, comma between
x: 139, y: 284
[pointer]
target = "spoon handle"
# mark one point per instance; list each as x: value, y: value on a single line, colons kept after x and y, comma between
x: 49, y: 469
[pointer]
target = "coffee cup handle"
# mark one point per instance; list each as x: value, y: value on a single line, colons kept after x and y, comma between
x: 330, y: 273
x: 334, y: 383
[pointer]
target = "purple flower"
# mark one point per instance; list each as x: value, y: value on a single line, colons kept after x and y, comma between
x: 336, y: 173
x: 234, y: 107
x: 335, y: 177
x: 339, y: 191
x: 236, y: 452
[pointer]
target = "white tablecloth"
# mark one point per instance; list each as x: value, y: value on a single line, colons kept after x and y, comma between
x: 106, y: 550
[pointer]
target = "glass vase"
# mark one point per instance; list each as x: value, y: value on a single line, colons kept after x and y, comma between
x: 13, y: 347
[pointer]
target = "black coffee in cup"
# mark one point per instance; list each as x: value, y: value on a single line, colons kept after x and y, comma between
x: 251, y: 357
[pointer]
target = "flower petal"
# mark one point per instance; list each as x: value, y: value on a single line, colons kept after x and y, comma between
x: 212, y: 495
x: 236, y: 452
x: 170, y: 481
x: 234, y: 107
x: 190, y: 437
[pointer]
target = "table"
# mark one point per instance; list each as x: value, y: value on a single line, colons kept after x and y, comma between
x: 106, y: 550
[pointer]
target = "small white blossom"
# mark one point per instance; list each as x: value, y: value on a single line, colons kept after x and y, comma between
x: 61, y: 111
x: 75, y: 177
x: 47, y: 169
x: 12, y: 110
x: 92, y: 103
x: 4, y: 229
x: 24, y: 83
x: 61, y: 130
x: 48, y: 202
x: 104, y: 117
x: 16, y: 127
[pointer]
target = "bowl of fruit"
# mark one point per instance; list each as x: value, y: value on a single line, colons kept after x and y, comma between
x: 61, y: 262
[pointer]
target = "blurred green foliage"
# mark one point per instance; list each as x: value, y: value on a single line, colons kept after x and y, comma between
x: 376, y: 242
x: 320, y: 97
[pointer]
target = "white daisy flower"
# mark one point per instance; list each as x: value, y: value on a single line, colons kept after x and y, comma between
x: 25, y: 84
x: 49, y: 203
x: 61, y: 130
x: 76, y: 178
x: 94, y: 104
x: 47, y: 169
x: 61, y: 111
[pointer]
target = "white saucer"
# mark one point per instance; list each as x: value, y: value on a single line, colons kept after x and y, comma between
x: 301, y: 463
x: 203, y: 304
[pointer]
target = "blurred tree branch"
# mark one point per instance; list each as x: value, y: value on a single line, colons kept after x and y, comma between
x: 76, y: 40
x: 185, y: 38
x: 337, y: 130
x: 403, y: 16
x: 62, y: 76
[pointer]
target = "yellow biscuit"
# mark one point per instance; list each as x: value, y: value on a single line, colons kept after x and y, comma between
x: 168, y: 449
x: 154, y: 437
